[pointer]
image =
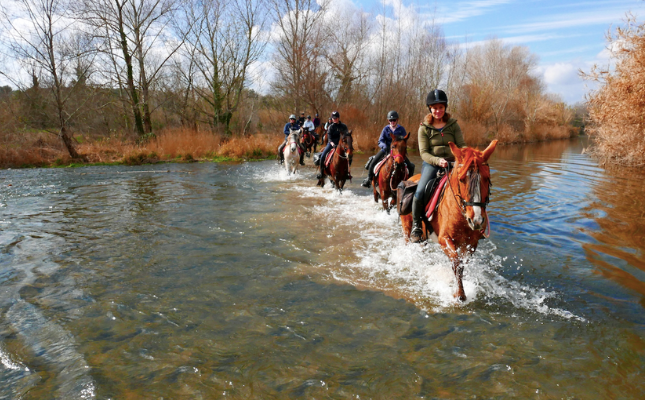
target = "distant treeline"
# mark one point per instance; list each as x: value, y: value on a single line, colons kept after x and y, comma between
x: 131, y: 70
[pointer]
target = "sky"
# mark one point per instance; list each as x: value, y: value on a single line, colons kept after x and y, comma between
x: 565, y: 35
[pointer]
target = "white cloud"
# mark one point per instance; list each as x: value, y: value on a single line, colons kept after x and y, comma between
x: 464, y: 10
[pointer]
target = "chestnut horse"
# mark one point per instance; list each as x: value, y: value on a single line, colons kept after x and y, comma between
x: 392, y: 172
x: 338, y: 170
x: 460, y: 218
x: 308, y: 142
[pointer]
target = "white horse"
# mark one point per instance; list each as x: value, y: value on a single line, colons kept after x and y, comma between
x: 291, y: 155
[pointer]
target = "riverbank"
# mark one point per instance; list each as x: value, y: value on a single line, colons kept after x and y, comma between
x: 42, y: 149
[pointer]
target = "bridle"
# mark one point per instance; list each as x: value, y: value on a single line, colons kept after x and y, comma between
x: 396, y: 167
x: 463, y: 203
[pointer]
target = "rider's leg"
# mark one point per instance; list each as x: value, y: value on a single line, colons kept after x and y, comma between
x: 410, y: 166
x: 428, y: 175
x: 370, y: 169
x: 321, y: 173
x: 280, y: 153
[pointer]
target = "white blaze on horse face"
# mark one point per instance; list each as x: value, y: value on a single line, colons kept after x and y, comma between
x: 475, y: 191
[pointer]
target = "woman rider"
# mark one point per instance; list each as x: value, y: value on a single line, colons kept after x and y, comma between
x: 334, y: 132
x: 384, y: 142
x: 435, y: 132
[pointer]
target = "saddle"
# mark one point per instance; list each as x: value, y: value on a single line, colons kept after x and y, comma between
x: 329, y: 155
x: 405, y: 193
x: 377, y: 167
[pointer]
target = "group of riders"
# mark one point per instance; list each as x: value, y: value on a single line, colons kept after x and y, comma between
x: 435, y: 132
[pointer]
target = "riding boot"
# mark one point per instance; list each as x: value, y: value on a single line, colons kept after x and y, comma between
x: 416, y: 235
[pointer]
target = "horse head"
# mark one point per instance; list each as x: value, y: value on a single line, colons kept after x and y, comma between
x: 399, y: 147
x: 348, y: 145
x: 473, y: 182
x: 294, y: 137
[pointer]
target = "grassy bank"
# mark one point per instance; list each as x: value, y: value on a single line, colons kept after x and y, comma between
x: 41, y: 149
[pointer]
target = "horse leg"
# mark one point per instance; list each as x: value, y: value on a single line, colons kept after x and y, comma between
x: 457, y: 268
x: 406, y: 225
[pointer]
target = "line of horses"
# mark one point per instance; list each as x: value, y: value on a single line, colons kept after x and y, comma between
x: 459, y: 219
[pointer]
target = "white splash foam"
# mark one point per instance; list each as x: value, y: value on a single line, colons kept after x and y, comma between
x: 420, y: 273
x: 277, y: 173
x: 7, y: 362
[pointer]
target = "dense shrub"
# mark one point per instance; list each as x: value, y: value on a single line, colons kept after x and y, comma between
x: 616, y: 109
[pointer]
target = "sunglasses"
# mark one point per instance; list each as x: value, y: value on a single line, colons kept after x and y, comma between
x: 392, y: 120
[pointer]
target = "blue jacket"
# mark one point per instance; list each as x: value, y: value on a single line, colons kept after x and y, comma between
x: 385, y: 141
x: 289, y: 126
x: 335, y: 131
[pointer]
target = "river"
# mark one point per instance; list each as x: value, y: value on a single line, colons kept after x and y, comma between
x: 204, y: 281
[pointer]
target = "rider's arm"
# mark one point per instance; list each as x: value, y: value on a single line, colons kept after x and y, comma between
x: 286, y: 129
x: 424, y: 147
x: 383, y: 143
x: 459, y: 137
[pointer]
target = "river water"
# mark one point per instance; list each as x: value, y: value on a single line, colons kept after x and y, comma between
x: 204, y: 281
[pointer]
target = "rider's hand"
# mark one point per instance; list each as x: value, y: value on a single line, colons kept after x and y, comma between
x: 443, y: 163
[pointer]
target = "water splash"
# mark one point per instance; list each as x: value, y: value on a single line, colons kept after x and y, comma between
x: 422, y: 274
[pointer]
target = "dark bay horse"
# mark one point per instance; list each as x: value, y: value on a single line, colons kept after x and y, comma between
x: 338, y: 170
x: 308, y: 142
x: 460, y: 219
x: 392, y: 172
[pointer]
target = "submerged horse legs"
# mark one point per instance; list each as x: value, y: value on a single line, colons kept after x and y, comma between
x: 457, y: 267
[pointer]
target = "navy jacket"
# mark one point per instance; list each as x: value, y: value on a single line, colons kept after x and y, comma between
x: 335, y: 131
x: 289, y: 126
x: 385, y: 141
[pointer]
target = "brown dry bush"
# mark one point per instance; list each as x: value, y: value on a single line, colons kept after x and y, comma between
x: 616, y: 110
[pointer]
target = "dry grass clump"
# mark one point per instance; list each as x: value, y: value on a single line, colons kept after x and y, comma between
x: 617, y: 109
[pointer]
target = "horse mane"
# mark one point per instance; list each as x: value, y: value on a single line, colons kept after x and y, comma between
x: 472, y: 156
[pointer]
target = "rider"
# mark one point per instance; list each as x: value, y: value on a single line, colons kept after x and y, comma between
x: 334, y: 132
x: 292, y: 124
x: 301, y: 120
x: 384, y: 142
x: 316, y: 122
x: 310, y: 127
x: 435, y: 132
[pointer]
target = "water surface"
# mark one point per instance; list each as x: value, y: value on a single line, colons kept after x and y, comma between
x: 238, y: 281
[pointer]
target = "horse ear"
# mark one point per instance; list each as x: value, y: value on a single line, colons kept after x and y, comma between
x: 406, y: 136
x: 394, y: 138
x: 455, y: 150
x: 490, y: 149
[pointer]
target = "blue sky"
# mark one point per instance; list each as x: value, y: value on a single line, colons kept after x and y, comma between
x: 565, y: 35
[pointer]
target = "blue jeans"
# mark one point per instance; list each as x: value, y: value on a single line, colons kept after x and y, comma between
x: 428, y: 173
x: 324, y: 156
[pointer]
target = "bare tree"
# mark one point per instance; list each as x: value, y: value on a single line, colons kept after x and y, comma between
x: 223, y: 39
x: 135, y: 41
x: 297, y: 48
x: 55, y: 54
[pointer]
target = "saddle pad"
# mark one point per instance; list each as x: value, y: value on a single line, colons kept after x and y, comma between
x: 329, y: 155
x: 432, y: 204
x: 378, y: 166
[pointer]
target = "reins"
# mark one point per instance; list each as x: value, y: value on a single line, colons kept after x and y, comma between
x: 463, y: 203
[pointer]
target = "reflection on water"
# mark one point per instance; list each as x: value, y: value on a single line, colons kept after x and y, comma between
x: 214, y: 280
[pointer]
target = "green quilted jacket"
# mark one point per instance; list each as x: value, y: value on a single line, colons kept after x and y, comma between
x: 433, y: 143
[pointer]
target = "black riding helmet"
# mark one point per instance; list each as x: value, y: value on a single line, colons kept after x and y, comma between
x: 436, y: 96
x: 335, y: 114
x: 392, y: 115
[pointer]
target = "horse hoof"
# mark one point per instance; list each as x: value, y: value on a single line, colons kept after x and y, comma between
x: 461, y: 297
